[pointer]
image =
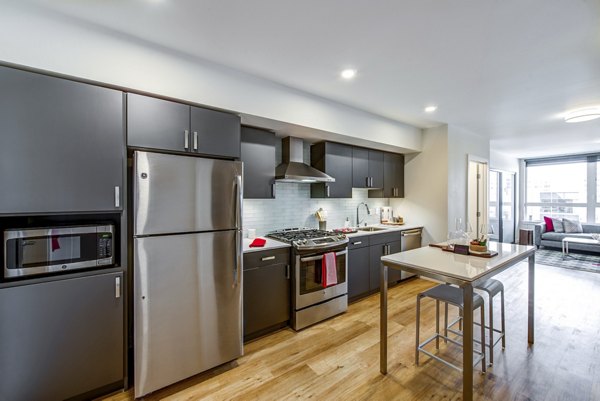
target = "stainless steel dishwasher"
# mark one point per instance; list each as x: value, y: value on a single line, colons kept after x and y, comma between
x: 409, y: 239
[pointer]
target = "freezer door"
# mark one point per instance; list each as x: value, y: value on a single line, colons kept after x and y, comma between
x: 187, y: 306
x: 185, y: 194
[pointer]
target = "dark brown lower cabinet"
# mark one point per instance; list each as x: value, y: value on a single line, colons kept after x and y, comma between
x: 62, y: 339
x: 364, y: 263
x: 267, y: 291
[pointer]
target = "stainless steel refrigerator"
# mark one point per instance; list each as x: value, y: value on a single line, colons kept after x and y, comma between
x: 187, y: 267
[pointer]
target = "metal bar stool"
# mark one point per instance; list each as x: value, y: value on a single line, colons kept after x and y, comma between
x: 492, y: 287
x: 453, y: 296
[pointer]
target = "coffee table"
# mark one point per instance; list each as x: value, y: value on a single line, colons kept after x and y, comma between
x: 576, y: 240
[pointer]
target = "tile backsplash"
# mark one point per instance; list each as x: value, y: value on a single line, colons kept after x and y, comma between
x: 293, y: 207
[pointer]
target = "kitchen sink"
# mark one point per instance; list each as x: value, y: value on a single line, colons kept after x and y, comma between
x: 371, y: 229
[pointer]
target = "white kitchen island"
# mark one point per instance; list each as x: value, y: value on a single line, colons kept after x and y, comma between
x: 464, y: 271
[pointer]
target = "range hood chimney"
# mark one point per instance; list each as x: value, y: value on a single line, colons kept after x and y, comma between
x: 293, y: 169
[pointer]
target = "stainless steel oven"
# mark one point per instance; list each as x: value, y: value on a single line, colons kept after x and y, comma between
x: 32, y: 251
x: 309, y: 281
x: 313, y: 302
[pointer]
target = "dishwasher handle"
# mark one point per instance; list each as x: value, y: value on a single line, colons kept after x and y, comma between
x: 410, y: 233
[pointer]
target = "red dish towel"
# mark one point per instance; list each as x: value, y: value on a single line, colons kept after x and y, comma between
x: 329, y: 269
x: 258, y: 242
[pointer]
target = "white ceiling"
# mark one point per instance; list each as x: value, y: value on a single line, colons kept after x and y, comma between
x: 501, y: 68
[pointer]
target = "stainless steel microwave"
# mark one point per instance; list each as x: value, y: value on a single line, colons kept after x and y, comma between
x: 57, y: 249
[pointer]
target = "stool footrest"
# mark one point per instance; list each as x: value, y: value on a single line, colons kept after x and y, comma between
x: 476, y: 360
x: 487, y: 344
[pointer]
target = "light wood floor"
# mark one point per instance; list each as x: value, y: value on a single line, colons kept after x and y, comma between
x: 339, y: 359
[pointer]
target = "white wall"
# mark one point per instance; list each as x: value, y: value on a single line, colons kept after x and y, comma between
x: 461, y: 144
x: 36, y: 38
x: 502, y: 161
x: 426, y: 186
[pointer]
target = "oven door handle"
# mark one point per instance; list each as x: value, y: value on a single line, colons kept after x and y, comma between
x: 321, y: 256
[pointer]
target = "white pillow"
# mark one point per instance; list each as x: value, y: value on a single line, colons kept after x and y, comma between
x: 572, y: 226
x: 558, y: 225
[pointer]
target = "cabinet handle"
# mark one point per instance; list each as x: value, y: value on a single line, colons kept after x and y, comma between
x: 195, y: 140
x: 370, y: 182
x: 273, y: 191
x: 287, y: 272
x: 357, y: 243
x: 117, y: 196
x: 117, y: 287
x: 186, y: 139
x: 367, y: 178
x: 327, y: 190
x: 267, y: 258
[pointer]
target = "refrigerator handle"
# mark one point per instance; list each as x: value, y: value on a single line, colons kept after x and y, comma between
x: 239, y: 200
x: 238, y: 257
x: 238, y: 231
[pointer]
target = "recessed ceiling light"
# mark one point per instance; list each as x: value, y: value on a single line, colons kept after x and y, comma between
x: 584, y: 114
x: 348, y: 73
x: 430, y: 109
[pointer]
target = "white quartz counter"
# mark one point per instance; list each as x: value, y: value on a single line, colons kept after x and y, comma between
x: 271, y: 244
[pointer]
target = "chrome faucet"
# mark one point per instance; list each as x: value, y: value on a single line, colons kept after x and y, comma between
x: 357, y: 207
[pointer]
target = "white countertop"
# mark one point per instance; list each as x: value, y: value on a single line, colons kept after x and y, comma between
x: 463, y: 267
x: 271, y: 244
x: 387, y: 229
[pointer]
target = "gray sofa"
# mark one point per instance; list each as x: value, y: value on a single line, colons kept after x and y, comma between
x: 554, y: 240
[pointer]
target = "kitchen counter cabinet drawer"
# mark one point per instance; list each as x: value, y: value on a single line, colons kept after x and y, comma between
x: 384, y: 238
x: 358, y: 242
x: 253, y: 260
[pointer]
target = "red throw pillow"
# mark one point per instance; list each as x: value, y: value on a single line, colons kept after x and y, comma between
x: 549, y: 225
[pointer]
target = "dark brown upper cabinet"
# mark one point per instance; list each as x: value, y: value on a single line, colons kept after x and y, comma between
x: 393, y: 177
x: 162, y: 124
x: 367, y: 168
x: 62, y: 145
x: 335, y: 160
x: 258, y: 154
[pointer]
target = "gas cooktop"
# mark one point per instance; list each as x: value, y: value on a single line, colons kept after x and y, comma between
x: 309, y: 238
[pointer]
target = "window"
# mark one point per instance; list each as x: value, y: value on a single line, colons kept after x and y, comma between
x: 559, y: 188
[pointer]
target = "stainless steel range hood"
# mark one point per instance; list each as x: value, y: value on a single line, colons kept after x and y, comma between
x: 293, y: 168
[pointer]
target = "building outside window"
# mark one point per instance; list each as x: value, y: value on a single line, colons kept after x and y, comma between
x: 563, y: 187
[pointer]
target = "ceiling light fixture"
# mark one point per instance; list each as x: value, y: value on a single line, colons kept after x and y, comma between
x: 430, y: 109
x: 348, y: 73
x: 583, y: 114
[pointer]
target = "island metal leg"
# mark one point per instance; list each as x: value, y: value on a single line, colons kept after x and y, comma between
x: 531, y: 299
x: 468, y: 342
x: 383, y: 319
